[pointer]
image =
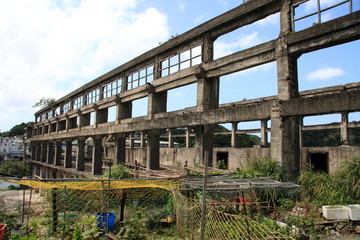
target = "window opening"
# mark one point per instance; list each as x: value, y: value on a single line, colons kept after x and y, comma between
x: 318, y: 162
x: 317, y: 11
x: 66, y: 107
x: 92, y: 96
x: 111, y: 89
x: 183, y: 60
x: 222, y: 160
x: 140, y: 78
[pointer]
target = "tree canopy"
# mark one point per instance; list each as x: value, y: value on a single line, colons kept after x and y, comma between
x: 17, y: 130
x: 45, y: 102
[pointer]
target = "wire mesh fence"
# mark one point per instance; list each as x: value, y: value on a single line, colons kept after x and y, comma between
x: 67, y: 208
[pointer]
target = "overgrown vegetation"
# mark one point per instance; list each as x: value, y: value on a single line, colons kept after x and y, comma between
x: 300, y: 213
x: 15, y: 169
x: 343, y: 187
x: 260, y: 167
x: 45, y: 102
x: 119, y: 171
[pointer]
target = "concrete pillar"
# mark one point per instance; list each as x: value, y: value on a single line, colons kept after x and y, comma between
x: 58, y: 150
x: 187, y: 138
x: 57, y: 125
x: 207, y: 88
x: 204, y: 143
x: 38, y: 151
x: 81, y: 120
x: 50, y: 153
x: 153, y: 150
x: 170, y: 139
x: 52, y: 173
x: 43, y: 151
x: 101, y: 116
x: 80, y: 154
x: 97, y: 156
x: 120, y: 145
x: 131, y: 140
x: 67, y: 123
x: 234, y: 128
x: 285, y: 146
x: 96, y: 113
x: 123, y: 110
x: 344, y: 131
x: 264, y: 135
x: 142, y: 140
x: 156, y: 101
x: 42, y: 172
x: 67, y: 155
x: 33, y: 151
x: 301, y: 134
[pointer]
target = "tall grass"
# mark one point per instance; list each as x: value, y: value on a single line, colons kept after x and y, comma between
x: 261, y: 167
x: 341, y: 188
x: 119, y: 171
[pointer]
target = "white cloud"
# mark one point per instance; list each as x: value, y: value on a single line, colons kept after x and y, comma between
x: 312, y: 5
x: 49, y: 50
x: 177, y: 94
x: 270, y: 20
x: 241, y: 42
x: 199, y: 19
x: 268, y: 67
x: 326, y: 16
x: 224, y: 3
x: 325, y: 73
x: 182, y: 6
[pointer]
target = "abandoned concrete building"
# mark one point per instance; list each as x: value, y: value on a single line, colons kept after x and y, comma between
x: 84, y: 114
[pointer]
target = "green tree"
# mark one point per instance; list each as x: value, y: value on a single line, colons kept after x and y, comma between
x: 14, y: 169
x: 17, y: 130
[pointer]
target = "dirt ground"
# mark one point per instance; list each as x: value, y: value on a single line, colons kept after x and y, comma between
x: 12, y: 200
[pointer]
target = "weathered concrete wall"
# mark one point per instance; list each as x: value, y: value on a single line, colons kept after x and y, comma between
x: 177, y: 156
x: 236, y: 156
x: 336, y: 155
x: 136, y: 154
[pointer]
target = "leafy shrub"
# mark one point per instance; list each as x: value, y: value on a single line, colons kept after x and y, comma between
x: 134, y: 228
x: 324, y: 189
x: 119, y: 171
x: 15, y: 169
x: 261, y: 167
x: 350, y: 173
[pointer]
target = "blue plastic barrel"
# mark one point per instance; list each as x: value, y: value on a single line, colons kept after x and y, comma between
x: 106, y: 220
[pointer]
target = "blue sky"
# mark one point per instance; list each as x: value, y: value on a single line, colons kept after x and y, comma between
x: 50, y: 48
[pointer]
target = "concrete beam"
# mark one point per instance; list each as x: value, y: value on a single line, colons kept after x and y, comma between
x: 348, y: 101
x: 252, y: 57
x: 331, y: 33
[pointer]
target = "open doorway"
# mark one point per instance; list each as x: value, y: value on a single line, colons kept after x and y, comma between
x: 319, y: 162
x: 222, y: 160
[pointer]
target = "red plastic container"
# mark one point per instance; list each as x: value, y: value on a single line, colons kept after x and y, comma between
x: 2, y: 231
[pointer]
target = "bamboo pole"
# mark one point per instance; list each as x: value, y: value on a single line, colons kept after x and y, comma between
x: 203, y: 203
